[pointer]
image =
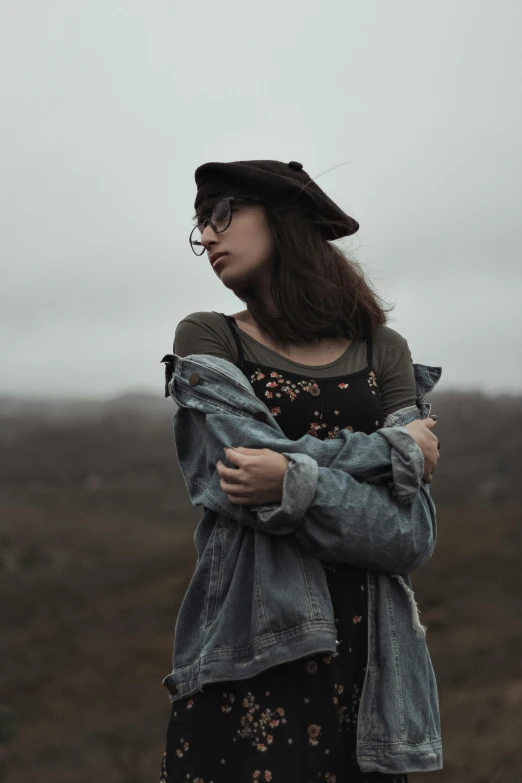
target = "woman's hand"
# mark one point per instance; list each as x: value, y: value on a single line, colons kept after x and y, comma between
x: 258, y: 477
x: 420, y: 430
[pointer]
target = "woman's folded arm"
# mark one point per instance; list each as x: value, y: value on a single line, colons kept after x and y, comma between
x: 389, y: 456
x: 340, y: 519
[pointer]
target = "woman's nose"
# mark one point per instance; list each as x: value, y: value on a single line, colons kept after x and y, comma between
x: 208, y: 238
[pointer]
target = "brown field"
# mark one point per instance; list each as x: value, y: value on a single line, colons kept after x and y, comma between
x: 96, y: 550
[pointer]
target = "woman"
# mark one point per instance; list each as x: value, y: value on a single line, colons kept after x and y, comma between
x: 314, y: 345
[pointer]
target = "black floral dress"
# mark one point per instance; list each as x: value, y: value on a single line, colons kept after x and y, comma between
x: 297, y: 722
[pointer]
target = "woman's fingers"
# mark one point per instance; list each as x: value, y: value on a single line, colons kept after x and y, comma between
x: 229, y: 474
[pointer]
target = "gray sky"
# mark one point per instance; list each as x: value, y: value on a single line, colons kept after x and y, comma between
x: 109, y: 106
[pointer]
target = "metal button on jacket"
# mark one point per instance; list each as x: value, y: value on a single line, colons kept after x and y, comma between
x: 314, y: 390
x: 312, y: 432
x: 194, y: 379
x: 260, y: 416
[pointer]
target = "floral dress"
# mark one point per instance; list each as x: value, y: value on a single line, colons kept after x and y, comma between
x: 296, y: 722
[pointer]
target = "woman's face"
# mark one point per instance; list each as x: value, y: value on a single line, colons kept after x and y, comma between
x: 247, y: 246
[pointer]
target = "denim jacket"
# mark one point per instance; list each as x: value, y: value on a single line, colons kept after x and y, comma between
x: 259, y: 596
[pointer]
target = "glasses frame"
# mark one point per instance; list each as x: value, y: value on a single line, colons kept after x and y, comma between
x: 208, y: 222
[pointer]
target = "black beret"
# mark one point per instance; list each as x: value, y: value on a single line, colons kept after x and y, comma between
x: 277, y: 183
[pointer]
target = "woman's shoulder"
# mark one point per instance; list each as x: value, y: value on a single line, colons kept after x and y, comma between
x: 394, y: 368
x: 386, y: 337
x: 204, y: 317
x: 204, y: 332
x: 390, y: 350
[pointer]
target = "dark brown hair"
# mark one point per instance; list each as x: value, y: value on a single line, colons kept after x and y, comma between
x: 317, y: 289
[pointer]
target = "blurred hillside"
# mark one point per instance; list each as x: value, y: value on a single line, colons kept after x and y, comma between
x: 96, y: 551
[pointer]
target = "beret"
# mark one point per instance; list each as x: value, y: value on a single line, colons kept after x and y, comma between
x: 279, y: 184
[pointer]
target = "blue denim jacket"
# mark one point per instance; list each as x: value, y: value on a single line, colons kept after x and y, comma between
x: 259, y: 596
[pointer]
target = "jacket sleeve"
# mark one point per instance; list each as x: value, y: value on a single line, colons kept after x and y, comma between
x: 389, y: 456
x: 358, y: 498
x: 339, y: 519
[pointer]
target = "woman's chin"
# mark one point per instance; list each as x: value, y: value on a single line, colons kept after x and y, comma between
x: 232, y: 281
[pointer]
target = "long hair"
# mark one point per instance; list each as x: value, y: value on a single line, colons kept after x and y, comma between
x: 318, y: 291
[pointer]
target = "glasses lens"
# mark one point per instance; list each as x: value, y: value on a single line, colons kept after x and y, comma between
x: 221, y: 216
x: 195, y: 240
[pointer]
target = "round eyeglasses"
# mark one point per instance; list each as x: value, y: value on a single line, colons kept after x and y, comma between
x: 219, y: 221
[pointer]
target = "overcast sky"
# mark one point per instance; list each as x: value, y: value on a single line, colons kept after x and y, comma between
x: 108, y: 106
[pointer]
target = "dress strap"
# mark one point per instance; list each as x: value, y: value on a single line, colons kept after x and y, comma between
x: 230, y: 321
x: 369, y: 350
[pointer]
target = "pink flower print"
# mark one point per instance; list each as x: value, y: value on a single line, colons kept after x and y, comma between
x: 372, y: 380
x: 262, y: 747
x: 270, y: 739
x: 289, y: 391
x: 274, y: 374
x: 190, y: 704
x: 228, y: 707
x: 357, y: 618
x: 315, y: 426
x: 330, y: 777
x: 275, y: 411
x: 256, y: 774
x: 333, y: 433
x: 269, y: 395
x: 313, y: 732
x: 274, y: 723
x: 281, y: 711
x: 348, y: 428
x: 339, y: 688
x: 268, y: 775
x: 342, y: 385
x: 311, y: 666
x: 278, y: 394
x: 316, y: 413
x: 271, y: 384
x: 336, y: 413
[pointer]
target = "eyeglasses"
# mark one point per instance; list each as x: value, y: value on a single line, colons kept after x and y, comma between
x: 219, y: 221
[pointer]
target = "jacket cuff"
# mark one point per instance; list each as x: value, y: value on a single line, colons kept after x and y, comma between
x: 299, y: 487
x: 407, y: 461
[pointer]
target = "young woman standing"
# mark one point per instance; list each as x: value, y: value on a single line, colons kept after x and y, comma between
x: 314, y: 344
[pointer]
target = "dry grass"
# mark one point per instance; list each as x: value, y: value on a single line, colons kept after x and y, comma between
x: 96, y: 551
